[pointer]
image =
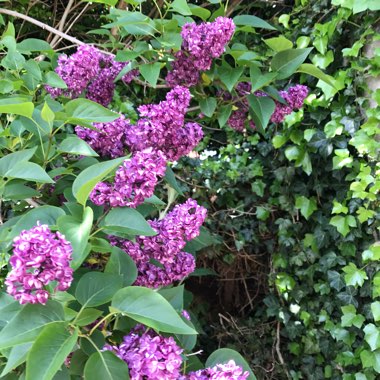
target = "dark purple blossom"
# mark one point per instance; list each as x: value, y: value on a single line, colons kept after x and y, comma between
x: 39, y: 257
x: 149, y: 355
x: 109, y: 139
x: 134, y: 180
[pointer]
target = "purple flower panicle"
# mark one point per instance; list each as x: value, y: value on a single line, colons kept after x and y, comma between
x: 89, y: 71
x: 39, y: 257
x: 162, y: 126
x: 134, y: 180
x: 173, y: 231
x: 149, y: 355
x: 201, y: 44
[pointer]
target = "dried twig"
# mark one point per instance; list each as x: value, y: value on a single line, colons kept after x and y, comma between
x: 55, y: 40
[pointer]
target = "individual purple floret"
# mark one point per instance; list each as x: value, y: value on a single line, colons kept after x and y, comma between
x: 109, y: 139
x: 91, y: 72
x: 161, y: 126
x: 134, y: 180
x: 149, y: 355
x: 39, y: 257
x: 201, y: 44
x: 228, y: 371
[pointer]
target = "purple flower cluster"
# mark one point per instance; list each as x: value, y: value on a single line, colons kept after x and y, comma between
x: 39, y: 257
x: 162, y: 126
x: 134, y: 180
x: 228, y: 371
x: 109, y: 139
x: 149, y: 355
x: 294, y: 96
x: 173, y: 231
x: 201, y: 44
x: 91, y: 70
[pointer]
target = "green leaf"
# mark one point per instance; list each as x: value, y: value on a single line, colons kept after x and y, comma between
x: 54, y: 80
x: 375, y: 308
x: 43, y: 214
x: 146, y: 306
x: 224, y: 114
x: 208, y: 106
x: 372, y: 336
x: 17, y: 106
x: 75, y: 145
x: 134, y: 23
x: 28, y: 322
x: 260, y: 80
x: 16, y: 357
x: 10, y: 160
x: 335, y: 280
x: 47, y: 114
x: 30, y: 172
x: 33, y: 44
x: 127, y: 220
x: 77, y: 233
x: 262, y: 108
x: 310, y: 69
x: 181, y: 7
x: 255, y: 22
x: 121, y: 264
x: 224, y: 355
x: 286, y: 62
x: 201, y: 12
x: 83, y: 111
x: 279, y: 43
x: 150, y: 72
x: 279, y: 140
x: 229, y: 75
x: 87, y: 316
x: 171, y: 180
x: 343, y: 223
x: 174, y: 296
x: 354, y: 276
x: 97, y: 288
x: 106, y: 366
x: 49, y: 351
x: 350, y: 318
x: 307, y: 206
x: 89, y: 177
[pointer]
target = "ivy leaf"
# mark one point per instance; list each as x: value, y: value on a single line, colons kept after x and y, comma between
x: 375, y: 308
x: 350, y: 318
x: 354, y: 276
x: 307, y: 206
x: 343, y: 223
x: 372, y: 336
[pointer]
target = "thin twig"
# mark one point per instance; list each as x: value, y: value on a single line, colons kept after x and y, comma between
x: 73, y: 23
x: 41, y: 25
x: 61, y: 24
